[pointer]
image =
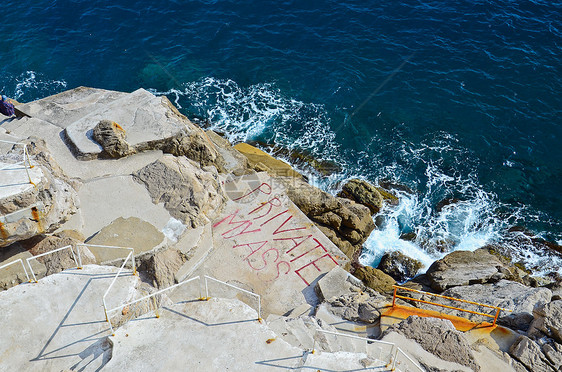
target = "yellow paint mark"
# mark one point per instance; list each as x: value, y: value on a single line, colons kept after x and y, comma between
x: 3, y: 232
x: 269, y: 340
x: 37, y: 218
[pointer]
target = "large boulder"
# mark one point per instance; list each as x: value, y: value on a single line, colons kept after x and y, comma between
x: 399, y: 266
x: 529, y: 353
x: 42, y: 207
x: 505, y: 294
x: 362, y: 192
x: 346, y: 223
x: 460, y: 268
x: 375, y: 279
x: 548, y: 321
x: 234, y: 161
x: 439, y: 337
x: 197, y: 146
x: 111, y: 136
x: 191, y: 195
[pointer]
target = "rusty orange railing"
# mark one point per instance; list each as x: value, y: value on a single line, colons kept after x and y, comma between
x: 495, y: 316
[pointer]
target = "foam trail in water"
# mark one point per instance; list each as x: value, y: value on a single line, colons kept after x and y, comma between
x: 31, y: 84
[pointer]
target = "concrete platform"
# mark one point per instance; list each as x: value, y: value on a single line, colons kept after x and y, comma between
x: 67, y: 107
x: 265, y: 244
x: 58, y: 324
x: 144, y: 117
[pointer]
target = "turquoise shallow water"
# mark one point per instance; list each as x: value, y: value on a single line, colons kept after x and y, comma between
x: 453, y: 99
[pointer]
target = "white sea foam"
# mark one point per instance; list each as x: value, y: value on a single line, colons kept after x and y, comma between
x: 36, y: 84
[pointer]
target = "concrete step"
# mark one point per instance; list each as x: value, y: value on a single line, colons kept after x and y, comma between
x: 197, y: 245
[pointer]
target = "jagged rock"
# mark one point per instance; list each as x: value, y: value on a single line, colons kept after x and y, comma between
x: 197, y: 146
x: 439, y: 337
x: 61, y: 260
x: 111, y: 136
x: 375, y: 279
x: 529, y: 353
x: 465, y: 267
x: 548, y: 321
x: 506, y: 294
x: 346, y: 223
x: 163, y: 266
x: 190, y: 194
x: 39, y: 208
x: 15, y: 273
x: 364, y: 193
x: 399, y: 266
x: 234, y: 161
x: 263, y: 162
x: 553, y: 353
x: 357, y: 307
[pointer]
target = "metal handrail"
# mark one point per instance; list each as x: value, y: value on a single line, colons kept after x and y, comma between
x: 237, y: 288
x: 25, y: 159
x: 391, y: 363
x: 22, y: 265
x: 496, y: 316
x: 109, y: 288
x: 78, y: 265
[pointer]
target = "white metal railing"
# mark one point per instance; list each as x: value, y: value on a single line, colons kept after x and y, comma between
x: 26, y: 162
x: 22, y: 265
x: 392, y: 359
x: 78, y: 263
x: 237, y: 288
x: 139, y: 299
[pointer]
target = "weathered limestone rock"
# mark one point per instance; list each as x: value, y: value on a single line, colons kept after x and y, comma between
x: 529, y: 353
x: 129, y: 232
x: 553, y: 353
x: 61, y: 260
x: 163, y: 266
x: 399, y: 266
x: 111, y: 136
x: 234, y: 162
x: 346, y: 223
x: 375, y: 279
x: 190, y: 194
x: 439, y: 337
x: 357, y: 307
x: 548, y: 321
x: 261, y: 161
x: 197, y: 146
x: 506, y: 294
x: 27, y: 210
x: 464, y: 268
x: 364, y: 193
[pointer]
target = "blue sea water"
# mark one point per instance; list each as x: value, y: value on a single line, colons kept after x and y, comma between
x: 458, y: 100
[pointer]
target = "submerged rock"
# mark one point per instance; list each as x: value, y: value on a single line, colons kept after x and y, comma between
x: 191, y: 195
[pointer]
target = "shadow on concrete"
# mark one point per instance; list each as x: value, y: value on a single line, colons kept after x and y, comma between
x: 205, y: 323
x: 99, y: 347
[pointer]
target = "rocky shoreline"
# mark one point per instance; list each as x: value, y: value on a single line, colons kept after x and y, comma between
x: 130, y: 170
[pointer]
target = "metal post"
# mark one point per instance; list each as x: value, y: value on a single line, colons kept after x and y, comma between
x: 497, y: 316
x: 394, y: 297
x: 394, y: 359
x: 25, y: 156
